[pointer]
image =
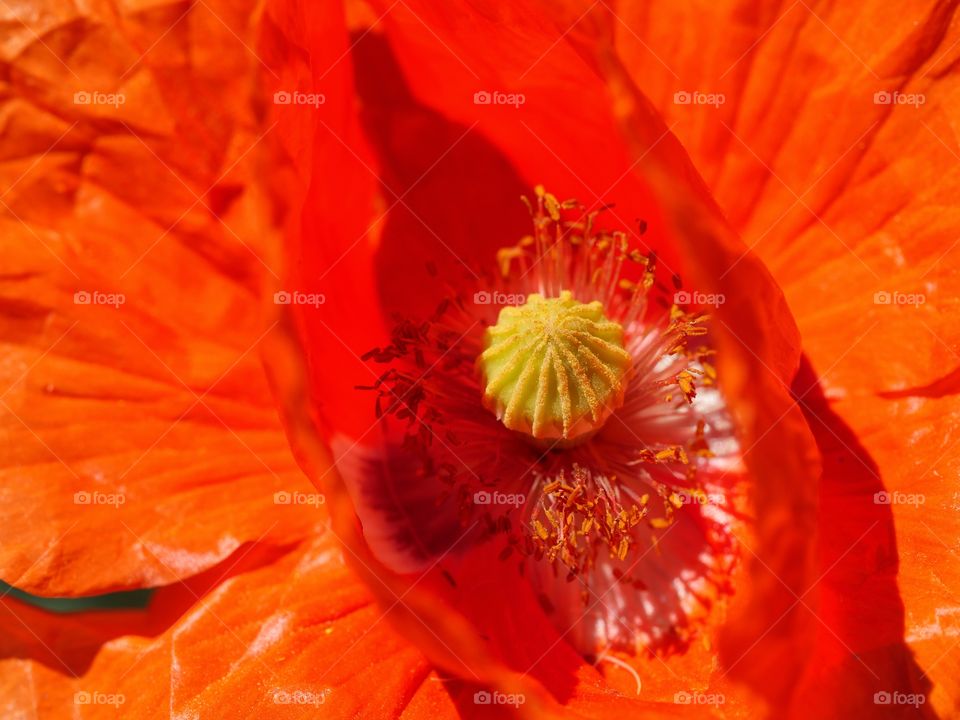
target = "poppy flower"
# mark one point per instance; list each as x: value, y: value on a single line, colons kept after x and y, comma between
x: 285, y: 346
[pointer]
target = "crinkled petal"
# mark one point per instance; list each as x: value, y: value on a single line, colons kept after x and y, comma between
x: 835, y: 156
x: 140, y: 442
x: 269, y: 635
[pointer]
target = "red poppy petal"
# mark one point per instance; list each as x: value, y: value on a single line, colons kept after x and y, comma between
x: 557, y: 112
x: 140, y: 440
x: 859, y: 634
x: 285, y: 639
x: 835, y: 157
x: 333, y: 241
x: 757, y: 356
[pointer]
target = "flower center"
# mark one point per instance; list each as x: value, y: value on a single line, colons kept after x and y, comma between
x: 554, y: 368
x: 627, y: 535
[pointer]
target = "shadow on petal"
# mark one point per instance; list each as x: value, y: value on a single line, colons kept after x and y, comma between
x: 454, y: 197
x: 859, y: 651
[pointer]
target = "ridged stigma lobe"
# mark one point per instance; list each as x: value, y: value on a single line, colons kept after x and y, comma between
x: 554, y: 368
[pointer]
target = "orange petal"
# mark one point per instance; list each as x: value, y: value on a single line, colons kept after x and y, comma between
x: 338, y: 218
x: 279, y: 637
x: 859, y: 634
x: 846, y: 194
x: 562, y: 120
x: 140, y: 443
x: 758, y: 355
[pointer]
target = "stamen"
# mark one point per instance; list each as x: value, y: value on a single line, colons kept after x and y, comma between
x: 578, y: 515
x: 598, y: 364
